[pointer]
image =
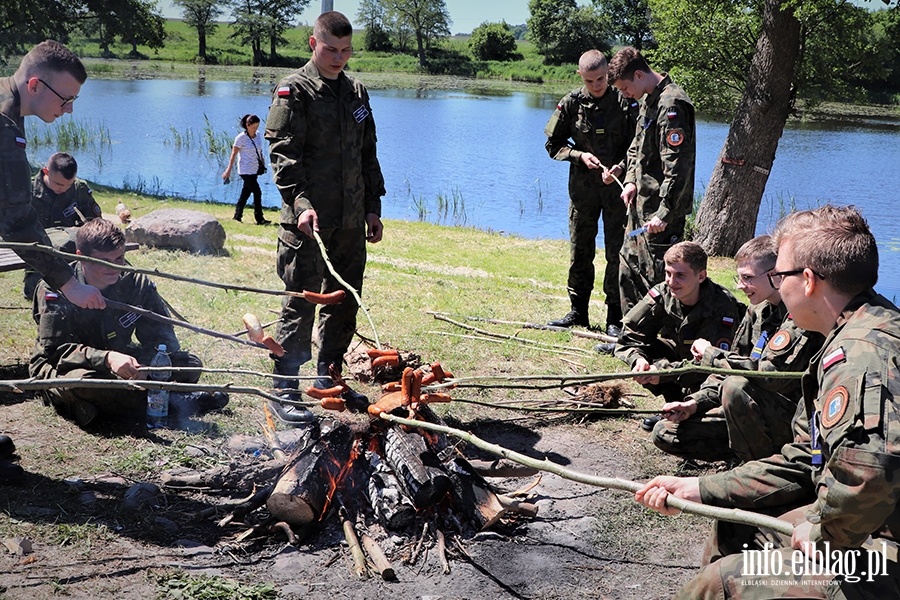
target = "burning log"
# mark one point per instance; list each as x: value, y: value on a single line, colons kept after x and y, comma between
x: 416, y: 467
x: 304, y: 488
x: 392, y: 507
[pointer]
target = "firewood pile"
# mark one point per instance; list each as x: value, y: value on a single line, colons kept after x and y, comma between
x: 376, y: 480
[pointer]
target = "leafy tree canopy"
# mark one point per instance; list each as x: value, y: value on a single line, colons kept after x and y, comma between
x: 493, y: 41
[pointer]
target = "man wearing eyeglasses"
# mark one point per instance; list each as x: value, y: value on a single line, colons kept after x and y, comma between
x: 29, y: 92
x: 838, y: 482
x: 738, y: 416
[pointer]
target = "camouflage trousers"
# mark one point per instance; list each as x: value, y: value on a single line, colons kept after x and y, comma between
x: 123, y: 404
x: 641, y: 264
x: 588, y: 204
x: 741, y: 562
x: 751, y: 423
x: 301, y: 267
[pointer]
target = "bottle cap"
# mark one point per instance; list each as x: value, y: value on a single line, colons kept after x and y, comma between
x: 162, y: 348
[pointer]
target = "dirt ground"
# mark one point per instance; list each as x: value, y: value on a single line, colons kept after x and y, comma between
x: 585, y: 542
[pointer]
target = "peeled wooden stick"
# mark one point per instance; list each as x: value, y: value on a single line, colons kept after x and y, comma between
x: 359, y: 559
x: 346, y: 285
x: 732, y: 515
x: 442, y: 550
x: 418, y: 548
x: 380, y: 561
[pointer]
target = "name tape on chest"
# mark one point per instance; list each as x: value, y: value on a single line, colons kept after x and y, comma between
x: 832, y: 358
x: 69, y: 210
x: 835, y: 406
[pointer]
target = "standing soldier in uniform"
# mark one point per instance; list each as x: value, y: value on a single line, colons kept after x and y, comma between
x: 322, y: 144
x: 592, y: 129
x: 842, y: 468
x: 659, y: 183
x: 28, y: 92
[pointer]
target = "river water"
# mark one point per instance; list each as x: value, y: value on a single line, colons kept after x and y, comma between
x: 461, y: 158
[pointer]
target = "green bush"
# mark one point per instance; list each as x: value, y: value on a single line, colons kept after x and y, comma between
x: 493, y: 41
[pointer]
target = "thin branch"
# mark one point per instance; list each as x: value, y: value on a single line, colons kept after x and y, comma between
x: 503, y: 336
x: 527, y: 325
x: 731, y: 515
x: 349, y: 287
x: 482, y: 338
x: 231, y: 372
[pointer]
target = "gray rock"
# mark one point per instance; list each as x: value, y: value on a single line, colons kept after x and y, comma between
x: 179, y: 229
x: 140, y: 494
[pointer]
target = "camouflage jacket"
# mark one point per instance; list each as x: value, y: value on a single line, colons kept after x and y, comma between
x: 602, y: 126
x: 850, y: 392
x: 778, y: 347
x: 661, y: 318
x: 662, y: 156
x: 72, y: 338
x: 18, y: 220
x: 62, y: 210
x: 322, y: 149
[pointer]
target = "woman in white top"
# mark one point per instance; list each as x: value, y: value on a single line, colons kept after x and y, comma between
x: 248, y: 145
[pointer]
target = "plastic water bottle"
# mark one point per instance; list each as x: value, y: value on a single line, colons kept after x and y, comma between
x: 158, y: 400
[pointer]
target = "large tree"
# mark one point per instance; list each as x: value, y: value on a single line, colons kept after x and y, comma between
x: 561, y: 30
x: 429, y: 20
x: 24, y: 23
x: 629, y: 21
x: 264, y: 21
x: 201, y: 15
x: 752, y: 60
x: 372, y: 16
x: 132, y: 21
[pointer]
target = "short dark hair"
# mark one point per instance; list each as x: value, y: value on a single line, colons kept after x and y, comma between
x: 591, y: 61
x: 98, y: 235
x: 758, y: 250
x: 624, y: 63
x: 52, y: 57
x: 835, y: 242
x: 690, y: 252
x: 249, y: 120
x: 332, y: 23
x: 64, y: 164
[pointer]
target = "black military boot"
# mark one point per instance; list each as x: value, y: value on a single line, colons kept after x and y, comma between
x: 614, y: 320
x: 577, y: 317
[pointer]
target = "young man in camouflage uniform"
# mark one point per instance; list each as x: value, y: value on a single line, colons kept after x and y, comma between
x: 659, y: 183
x: 592, y: 129
x: 63, y: 202
x: 660, y: 330
x: 738, y: 416
x: 29, y: 92
x: 322, y: 144
x: 842, y: 468
x: 97, y: 344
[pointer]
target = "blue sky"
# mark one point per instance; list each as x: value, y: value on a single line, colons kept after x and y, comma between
x: 466, y: 14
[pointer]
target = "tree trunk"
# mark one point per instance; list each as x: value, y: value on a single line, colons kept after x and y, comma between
x: 728, y: 213
x: 421, y: 46
x: 201, y: 34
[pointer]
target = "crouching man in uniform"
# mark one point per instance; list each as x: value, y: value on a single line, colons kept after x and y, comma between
x: 838, y: 481
x: 97, y: 344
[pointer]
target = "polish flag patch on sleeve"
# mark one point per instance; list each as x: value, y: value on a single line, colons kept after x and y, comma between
x: 728, y: 321
x: 50, y: 295
x: 833, y: 357
x: 20, y: 142
x: 672, y: 113
x: 653, y: 293
x: 284, y: 91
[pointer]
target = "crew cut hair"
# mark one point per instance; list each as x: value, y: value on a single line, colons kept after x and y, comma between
x: 591, y: 61
x: 332, y: 23
x: 690, y: 252
x: 63, y: 163
x: 98, y: 235
x: 835, y: 242
x: 759, y: 250
x: 52, y: 57
x: 624, y: 63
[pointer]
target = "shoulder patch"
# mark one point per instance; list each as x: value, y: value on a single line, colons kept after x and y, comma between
x: 835, y: 406
x: 832, y: 358
x: 653, y: 293
x: 672, y: 113
x: 20, y: 142
x: 50, y: 295
x: 724, y: 344
x: 780, y: 340
x: 284, y: 91
x: 675, y: 137
x: 728, y: 321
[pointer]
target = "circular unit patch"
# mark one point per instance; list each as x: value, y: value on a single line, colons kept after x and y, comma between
x: 835, y: 406
x: 675, y: 137
x: 780, y: 340
x: 724, y: 344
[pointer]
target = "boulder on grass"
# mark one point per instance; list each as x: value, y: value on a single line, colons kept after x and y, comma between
x: 178, y: 228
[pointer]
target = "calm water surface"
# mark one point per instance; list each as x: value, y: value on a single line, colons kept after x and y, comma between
x: 465, y: 158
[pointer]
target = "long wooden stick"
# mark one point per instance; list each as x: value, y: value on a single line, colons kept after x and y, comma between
x: 155, y: 272
x: 503, y: 336
x: 349, y: 287
x: 231, y: 372
x: 359, y: 559
x: 731, y: 515
x: 162, y: 319
x: 381, y: 562
x: 527, y: 325
x: 494, y: 340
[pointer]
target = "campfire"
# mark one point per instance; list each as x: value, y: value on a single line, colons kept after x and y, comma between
x: 376, y: 478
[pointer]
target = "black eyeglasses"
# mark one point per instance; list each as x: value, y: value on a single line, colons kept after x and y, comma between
x: 777, y: 277
x: 65, y: 100
x: 746, y: 279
